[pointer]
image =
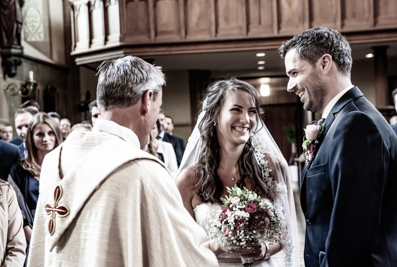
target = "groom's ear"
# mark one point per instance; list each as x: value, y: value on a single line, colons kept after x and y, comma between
x: 325, y: 63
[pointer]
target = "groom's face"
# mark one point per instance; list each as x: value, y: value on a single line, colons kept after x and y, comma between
x: 305, y: 81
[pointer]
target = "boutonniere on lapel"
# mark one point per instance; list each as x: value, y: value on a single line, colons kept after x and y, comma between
x: 311, y: 140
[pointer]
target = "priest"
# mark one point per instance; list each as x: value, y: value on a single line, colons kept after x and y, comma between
x: 105, y: 202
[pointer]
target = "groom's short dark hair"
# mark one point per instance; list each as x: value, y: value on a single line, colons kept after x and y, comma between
x: 314, y: 43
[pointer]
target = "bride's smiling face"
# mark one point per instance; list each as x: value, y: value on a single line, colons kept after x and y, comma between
x: 237, y: 119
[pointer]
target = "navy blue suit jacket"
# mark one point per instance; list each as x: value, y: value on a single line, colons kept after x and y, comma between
x: 177, y: 144
x: 349, y: 192
x: 9, y: 154
x: 16, y: 141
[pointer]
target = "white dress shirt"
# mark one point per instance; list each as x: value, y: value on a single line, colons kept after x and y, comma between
x: 111, y: 127
x: 332, y: 103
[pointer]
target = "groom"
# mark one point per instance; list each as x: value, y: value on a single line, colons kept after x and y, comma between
x: 349, y: 189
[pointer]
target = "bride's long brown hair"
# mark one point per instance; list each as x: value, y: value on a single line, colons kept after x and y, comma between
x: 208, y: 184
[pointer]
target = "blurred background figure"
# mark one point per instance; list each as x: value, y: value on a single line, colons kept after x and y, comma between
x: 164, y: 150
x: 12, y: 239
x: 393, y: 120
x: 65, y: 127
x: 176, y: 142
x: 5, y: 131
x: 9, y: 154
x: 80, y: 127
x: 42, y: 137
x: 23, y: 117
x: 31, y: 104
x: 94, y: 111
x: 55, y: 116
x: 87, y: 124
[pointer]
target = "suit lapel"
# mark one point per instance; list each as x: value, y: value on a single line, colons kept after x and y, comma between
x: 342, y: 102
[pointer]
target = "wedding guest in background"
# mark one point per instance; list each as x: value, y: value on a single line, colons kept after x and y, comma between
x: 230, y: 146
x: 164, y: 150
x: 179, y: 147
x: 394, y: 96
x: 79, y: 127
x: 5, y: 131
x: 169, y: 127
x: 42, y: 137
x: 12, y: 238
x: 87, y: 124
x: 31, y: 104
x: 65, y: 128
x: 393, y: 120
x: 349, y: 185
x: 22, y: 117
x: 94, y: 111
x: 151, y: 148
x: 55, y: 116
x: 9, y: 154
x: 118, y: 206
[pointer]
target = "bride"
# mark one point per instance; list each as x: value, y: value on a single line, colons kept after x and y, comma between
x: 231, y: 145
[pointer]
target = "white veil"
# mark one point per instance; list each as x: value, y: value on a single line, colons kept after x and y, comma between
x: 277, y: 180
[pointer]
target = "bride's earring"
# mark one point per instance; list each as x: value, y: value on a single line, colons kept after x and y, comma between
x: 215, y: 123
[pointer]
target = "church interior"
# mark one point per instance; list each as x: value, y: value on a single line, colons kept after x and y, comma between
x: 59, y: 44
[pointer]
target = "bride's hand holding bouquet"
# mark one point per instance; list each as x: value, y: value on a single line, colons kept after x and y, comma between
x: 244, y: 220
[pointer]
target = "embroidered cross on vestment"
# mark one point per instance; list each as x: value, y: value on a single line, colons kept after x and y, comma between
x: 53, y: 210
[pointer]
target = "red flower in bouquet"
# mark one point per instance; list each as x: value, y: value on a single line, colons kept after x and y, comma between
x: 250, y: 208
x: 222, y: 217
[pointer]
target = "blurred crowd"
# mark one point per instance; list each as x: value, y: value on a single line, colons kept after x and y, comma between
x: 38, y: 133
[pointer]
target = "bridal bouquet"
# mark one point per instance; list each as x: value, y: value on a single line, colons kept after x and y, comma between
x: 244, y: 218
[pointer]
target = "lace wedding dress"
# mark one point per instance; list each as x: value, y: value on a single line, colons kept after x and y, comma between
x: 204, y: 213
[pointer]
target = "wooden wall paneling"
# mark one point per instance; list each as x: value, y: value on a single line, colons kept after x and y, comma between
x: 324, y: 13
x: 339, y: 15
x: 182, y: 24
x: 357, y: 14
x: 213, y: 18
x: 97, y: 23
x: 199, y: 20
x: 306, y: 14
x: 231, y: 18
x: 260, y: 17
x: 167, y: 20
x: 137, y: 21
x: 385, y: 13
x: 82, y: 23
x: 275, y: 17
x: 113, y: 17
x: 152, y: 21
x: 291, y: 16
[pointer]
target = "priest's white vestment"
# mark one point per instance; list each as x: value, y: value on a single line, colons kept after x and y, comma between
x: 105, y: 202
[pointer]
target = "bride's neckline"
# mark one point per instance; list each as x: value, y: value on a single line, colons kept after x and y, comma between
x: 206, y: 203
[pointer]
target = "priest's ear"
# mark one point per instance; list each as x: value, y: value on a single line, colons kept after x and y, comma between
x: 146, y: 101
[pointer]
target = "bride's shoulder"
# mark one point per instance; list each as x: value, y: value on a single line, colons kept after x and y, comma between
x: 186, y: 178
x: 274, y: 159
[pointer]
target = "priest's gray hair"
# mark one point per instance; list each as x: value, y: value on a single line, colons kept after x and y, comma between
x: 123, y: 81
